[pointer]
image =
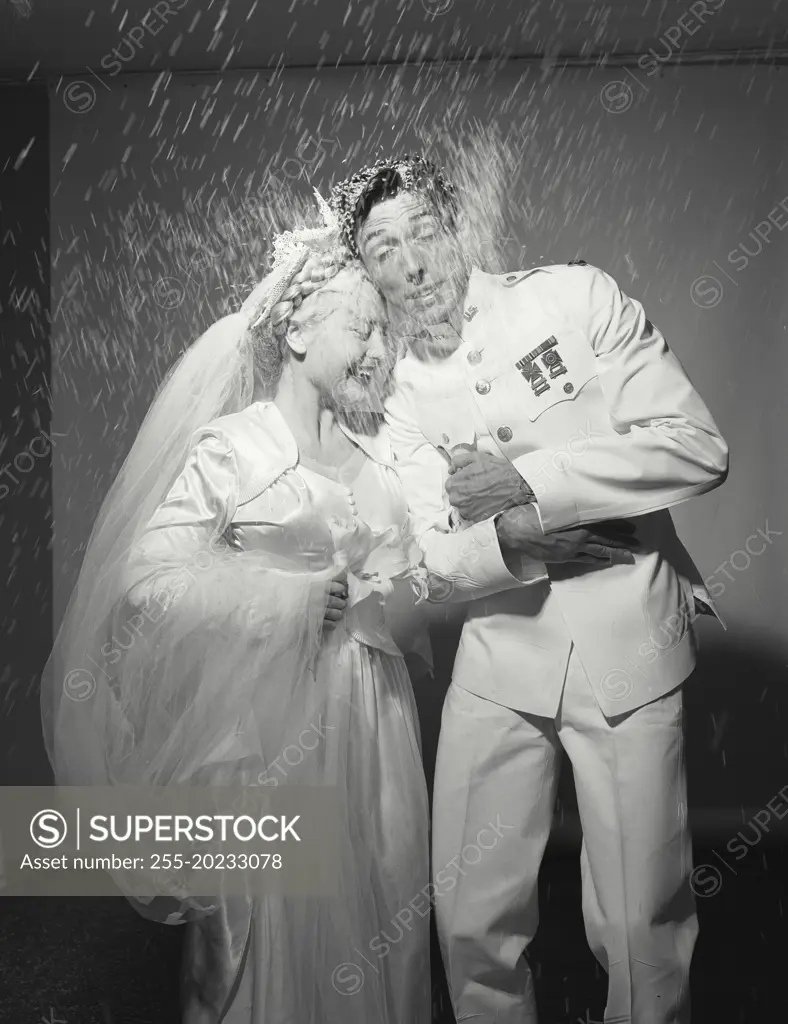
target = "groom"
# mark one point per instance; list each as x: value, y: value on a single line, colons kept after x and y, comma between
x: 531, y: 408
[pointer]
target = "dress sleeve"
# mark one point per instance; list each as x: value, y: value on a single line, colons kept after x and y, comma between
x: 181, y: 535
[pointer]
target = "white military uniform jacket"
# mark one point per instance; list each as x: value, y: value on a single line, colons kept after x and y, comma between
x: 561, y: 373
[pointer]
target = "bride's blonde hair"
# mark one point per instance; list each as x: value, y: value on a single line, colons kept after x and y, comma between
x: 268, y: 338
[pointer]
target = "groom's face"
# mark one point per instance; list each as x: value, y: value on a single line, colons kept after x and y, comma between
x: 414, y: 258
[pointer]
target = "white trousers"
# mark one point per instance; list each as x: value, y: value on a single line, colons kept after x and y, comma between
x: 496, y: 777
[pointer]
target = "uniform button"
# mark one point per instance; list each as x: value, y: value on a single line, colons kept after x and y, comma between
x: 569, y: 388
x: 505, y: 434
x: 512, y: 277
x: 474, y: 357
x: 483, y: 387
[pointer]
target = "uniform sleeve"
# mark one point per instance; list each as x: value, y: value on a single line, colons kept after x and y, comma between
x: 180, y: 536
x: 469, y: 560
x: 666, y: 446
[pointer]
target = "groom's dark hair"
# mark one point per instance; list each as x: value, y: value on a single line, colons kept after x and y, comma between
x: 353, y: 199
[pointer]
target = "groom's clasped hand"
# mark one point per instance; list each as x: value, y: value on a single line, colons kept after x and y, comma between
x: 481, y: 485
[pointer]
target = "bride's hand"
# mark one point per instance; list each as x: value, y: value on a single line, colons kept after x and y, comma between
x: 337, y: 602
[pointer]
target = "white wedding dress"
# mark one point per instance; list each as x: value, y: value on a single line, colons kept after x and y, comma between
x: 284, y: 519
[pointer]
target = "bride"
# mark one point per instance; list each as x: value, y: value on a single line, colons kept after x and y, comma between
x: 259, y: 512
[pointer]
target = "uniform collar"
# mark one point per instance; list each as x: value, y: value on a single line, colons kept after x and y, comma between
x: 475, y: 294
x: 477, y: 301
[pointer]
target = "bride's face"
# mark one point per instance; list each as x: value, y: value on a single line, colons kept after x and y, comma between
x: 339, y: 337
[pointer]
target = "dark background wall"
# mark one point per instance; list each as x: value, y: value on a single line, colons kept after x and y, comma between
x: 25, y: 483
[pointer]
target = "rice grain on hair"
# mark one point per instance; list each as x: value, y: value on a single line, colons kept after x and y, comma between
x: 474, y: 182
x: 407, y: 173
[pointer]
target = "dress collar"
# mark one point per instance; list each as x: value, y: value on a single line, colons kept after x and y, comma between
x: 375, y: 446
x: 285, y: 453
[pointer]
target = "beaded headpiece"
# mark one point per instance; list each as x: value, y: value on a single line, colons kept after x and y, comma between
x: 415, y: 173
x: 292, y: 249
